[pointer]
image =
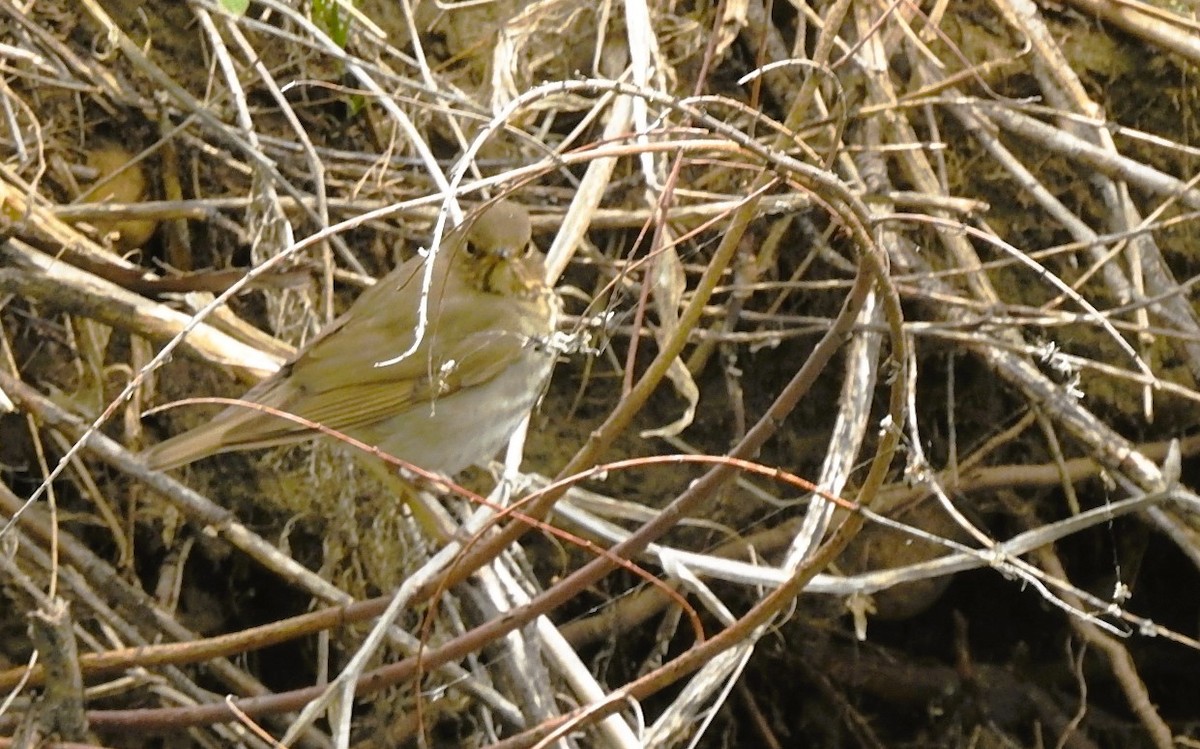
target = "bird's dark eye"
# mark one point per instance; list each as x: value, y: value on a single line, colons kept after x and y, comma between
x: 470, y: 248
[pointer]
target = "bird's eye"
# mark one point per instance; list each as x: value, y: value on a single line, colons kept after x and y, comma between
x: 470, y: 248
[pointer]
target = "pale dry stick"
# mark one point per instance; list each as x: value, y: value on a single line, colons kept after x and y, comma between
x: 699, y: 702
x: 17, y: 53
x: 1093, y: 315
x: 338, y: 697
x: 1009, y: 314
x: 316, y: 168
x: 269, y: 224
x: 1165, y: 296
x: 583, y: 683
x: 525, y: 665
x: 658, y: 98
x: 708, y: 689
x: 646, y: 69
x: 584, y: 129
x: 1080, y: 151
x: 663, y: 281
x: 526, y: 674
x: 1107, y: 447
x: 40, y: 276
x: 707, y: 102
x: 1065, y: 91
x: 1124, y: 216
x: 1180, y: 528
x: 972, y: 120
x: 846, y: 435
x: 7, y: 97
x: 1041, y: 351
x: 565, y: 660
x: 356, y: 68
x: 225, y: 735
x: 582, y: 210
x: 1159, y: 26
x: 609, y: 508
x: 38, y: 137
x: 515, y: 586
x: 558, y: 651
x: 1116, y: 128
x: 204, y: 209
x: 504, y: 569
x: 918, y: 170
x: 431, y: 82
x: 422, y: 64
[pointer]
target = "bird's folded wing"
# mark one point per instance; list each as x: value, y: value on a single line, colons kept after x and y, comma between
x: 469, y: 363
x: 356, y: 406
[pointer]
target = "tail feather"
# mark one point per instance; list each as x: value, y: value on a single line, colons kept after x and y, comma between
x: 183, y: 449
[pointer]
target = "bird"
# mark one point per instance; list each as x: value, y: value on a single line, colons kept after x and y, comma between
x: 469, y: 378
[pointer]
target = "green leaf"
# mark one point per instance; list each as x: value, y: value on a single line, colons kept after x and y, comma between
x: 236, y: 7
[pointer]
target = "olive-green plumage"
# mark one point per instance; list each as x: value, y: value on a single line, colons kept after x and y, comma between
x: 455, y: 400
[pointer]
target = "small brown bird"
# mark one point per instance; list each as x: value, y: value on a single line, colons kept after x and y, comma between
x: 479, y: 368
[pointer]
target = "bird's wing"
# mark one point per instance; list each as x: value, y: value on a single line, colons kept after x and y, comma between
x: 359, y: 404
x: 362, y: 395
x: 328, y: 359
